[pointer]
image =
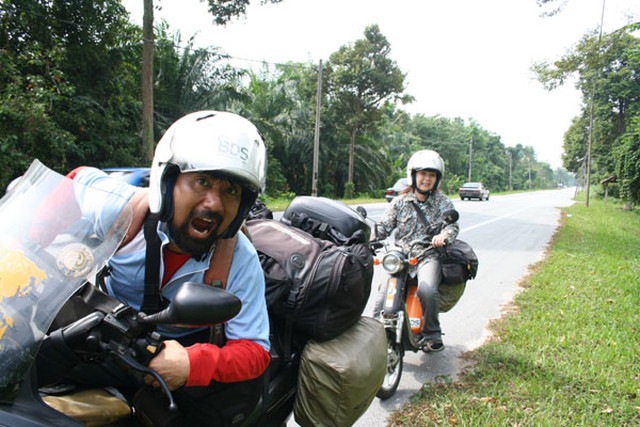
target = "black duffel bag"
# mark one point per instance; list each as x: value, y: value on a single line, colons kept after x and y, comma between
x: 316, y: 286
x: 459, y: 263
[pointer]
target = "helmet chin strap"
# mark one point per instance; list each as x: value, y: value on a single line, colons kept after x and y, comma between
x: 425, y: 192
x: 168, y: 181
x: 248, y: 198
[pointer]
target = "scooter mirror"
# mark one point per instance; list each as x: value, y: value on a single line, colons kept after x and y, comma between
x: 451, y: 216
x: 362, y: 211
x: 197, y: 305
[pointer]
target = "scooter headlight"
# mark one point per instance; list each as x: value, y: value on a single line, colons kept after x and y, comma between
x: 391, y: 263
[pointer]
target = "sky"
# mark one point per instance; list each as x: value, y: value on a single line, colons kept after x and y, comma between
x: 463, y: 58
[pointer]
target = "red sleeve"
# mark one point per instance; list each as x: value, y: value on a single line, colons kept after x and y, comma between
x: 73, y: 173
x: 238, y: 360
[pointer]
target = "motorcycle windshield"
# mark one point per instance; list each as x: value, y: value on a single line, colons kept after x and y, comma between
x: 50, y: 245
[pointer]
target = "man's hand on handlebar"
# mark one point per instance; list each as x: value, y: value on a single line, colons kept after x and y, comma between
x: 172, y: 363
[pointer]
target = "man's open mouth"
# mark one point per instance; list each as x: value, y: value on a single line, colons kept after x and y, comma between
x: 202, y: 226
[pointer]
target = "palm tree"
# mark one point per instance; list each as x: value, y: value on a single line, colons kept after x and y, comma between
x: 188, y: 79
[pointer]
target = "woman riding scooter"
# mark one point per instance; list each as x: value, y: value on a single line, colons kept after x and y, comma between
x: 409, y: 214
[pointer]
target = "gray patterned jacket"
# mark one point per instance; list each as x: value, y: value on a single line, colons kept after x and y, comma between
x: 401, y: 216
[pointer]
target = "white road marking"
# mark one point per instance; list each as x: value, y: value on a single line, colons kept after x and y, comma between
x: 493, y: 220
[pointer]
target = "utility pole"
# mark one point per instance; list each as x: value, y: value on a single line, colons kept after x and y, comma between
x: 316, y: 138
x: 593, y: 91
x: 470, y: 157
x: 510, y: 169
x: 147, y: 80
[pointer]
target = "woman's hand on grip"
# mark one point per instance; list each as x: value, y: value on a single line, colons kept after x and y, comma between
x: 439, y: 240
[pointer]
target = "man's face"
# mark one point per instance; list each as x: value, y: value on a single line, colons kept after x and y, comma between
x: 425, y: 180
x: 203, y: 208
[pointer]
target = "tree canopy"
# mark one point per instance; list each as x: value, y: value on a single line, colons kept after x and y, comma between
x: 607, y: 72
x: 68, y: 83
x: 360, y: 78
x: 224, y: 10
x: 70, y: 95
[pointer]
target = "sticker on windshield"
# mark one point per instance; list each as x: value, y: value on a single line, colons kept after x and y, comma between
x: 76, y: 260
x: 18, y: 276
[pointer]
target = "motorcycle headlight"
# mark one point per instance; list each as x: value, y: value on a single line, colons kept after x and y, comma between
x: 391, y: 263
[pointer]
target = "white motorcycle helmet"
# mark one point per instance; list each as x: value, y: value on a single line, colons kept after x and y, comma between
x: 209, y: 141
x: 428, y: 160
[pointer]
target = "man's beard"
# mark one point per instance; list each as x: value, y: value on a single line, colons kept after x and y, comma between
x: 196, y: 247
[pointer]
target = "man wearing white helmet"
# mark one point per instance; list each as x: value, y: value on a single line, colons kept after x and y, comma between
x: 424, y: 173
x: 208, y: 170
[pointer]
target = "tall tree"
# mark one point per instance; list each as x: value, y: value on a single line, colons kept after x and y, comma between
x: 147, y: 80
x: 628, y: 168
x: 608, y: 75
x: 188, y: 79
x: 360, y: 79
x: 222, y: 10
x: 225, y: 10
x: 280, y: 103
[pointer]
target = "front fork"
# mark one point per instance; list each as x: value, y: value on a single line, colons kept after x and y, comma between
x: 394, y: 314
x: 392, y: 311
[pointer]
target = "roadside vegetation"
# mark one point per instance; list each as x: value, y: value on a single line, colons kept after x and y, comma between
x: 567, y: 351
x: 70, y: 95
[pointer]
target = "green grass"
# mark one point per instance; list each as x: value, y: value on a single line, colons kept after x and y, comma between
x: 569, y: 353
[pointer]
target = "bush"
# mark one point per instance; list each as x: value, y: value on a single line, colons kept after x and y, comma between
x: 349, y: 190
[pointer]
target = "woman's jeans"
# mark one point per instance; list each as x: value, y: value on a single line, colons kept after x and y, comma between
x: 429, y: 276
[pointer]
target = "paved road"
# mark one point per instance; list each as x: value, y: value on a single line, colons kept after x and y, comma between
x: 509, y: 233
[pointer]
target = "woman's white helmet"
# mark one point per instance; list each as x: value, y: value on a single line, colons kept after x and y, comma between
x: 209, y: 141
x: 425, y: 160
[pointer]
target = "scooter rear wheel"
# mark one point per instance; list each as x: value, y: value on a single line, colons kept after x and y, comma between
x: 394, y: 370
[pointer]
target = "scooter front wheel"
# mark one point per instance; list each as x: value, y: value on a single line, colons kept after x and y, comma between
x: 394, y: 370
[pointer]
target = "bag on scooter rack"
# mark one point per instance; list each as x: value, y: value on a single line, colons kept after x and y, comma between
x: 339, y: 378
x: 459, y: 263
x: 327, y: 219
x: 318, y: 288
x: 260, y: 211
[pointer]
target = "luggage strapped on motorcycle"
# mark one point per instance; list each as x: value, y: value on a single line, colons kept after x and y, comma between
x: 317, y: 289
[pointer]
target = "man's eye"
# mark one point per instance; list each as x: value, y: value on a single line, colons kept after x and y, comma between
x: 202, y: 181
x: 232, y: 190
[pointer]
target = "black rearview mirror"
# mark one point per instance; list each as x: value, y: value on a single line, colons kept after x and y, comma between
x: 197, y: 305
x: 451, y: 216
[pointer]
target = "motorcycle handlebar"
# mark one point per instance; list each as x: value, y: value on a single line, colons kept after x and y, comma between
x: 76, y: 333
x: 376, y: 244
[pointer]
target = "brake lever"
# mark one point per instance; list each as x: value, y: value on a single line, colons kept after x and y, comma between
x: 132, y: 363
x: 376, y: 244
